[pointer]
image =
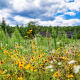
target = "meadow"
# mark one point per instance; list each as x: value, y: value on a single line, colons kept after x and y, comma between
x: 39, y: 58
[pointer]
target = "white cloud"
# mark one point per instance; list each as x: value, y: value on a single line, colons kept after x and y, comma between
x: 68, y: 0
x: 70, y: 13
x: 59, y: 21
x: 4, y: 13
x: 23, y: 20
x: 42, y: 9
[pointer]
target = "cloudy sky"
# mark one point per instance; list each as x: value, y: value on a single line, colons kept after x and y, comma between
x: 46, y: 12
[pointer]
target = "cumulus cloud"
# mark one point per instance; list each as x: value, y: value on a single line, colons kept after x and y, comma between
x: 45, y: 12
x: 70, y: 13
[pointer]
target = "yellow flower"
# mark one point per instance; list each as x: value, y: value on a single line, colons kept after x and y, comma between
x: 17, y: 61
x: 21, y: 64
x: 16, y: 45
x: 27, y: 66
x: 2, y: 47
x: 15, y: 50
x: 57, y: 74
x: 9, y: 52
x: 41, y: 65
x: 30, y: 30
x: 69, y: 75
x: 4, y: 78
x: 39, y: 56
x: 78, y: 54
x: 1, y: 72
x: 19, y: 46
x: 22, y: 59
x: 32, y: 58
x: 20, y: 78
x: 8, y: 75
x: 5, y: 51
x: 26, y: 36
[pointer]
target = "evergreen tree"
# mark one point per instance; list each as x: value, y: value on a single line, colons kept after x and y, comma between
x: 3, y: 24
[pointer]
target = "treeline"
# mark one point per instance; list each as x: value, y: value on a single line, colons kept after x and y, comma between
x: 36, y: 29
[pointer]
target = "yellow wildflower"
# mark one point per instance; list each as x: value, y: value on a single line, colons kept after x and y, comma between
x: 32, y: 58
x: 8, y: 75
x: 30, y: 30
x: 26, y: 36
x: 20, y: 78
x: 27, y: 66
x: 69, y: 75
x: 5, y: 51
x: 1, y: 72
x: 19, y: 46
x: 2, y: 47
x: 21, y: 64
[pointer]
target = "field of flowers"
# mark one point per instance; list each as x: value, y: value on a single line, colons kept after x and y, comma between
x: 39, y: 58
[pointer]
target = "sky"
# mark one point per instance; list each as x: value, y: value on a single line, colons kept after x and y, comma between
x: 45, y: 12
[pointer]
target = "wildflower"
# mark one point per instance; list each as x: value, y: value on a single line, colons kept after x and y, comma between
x: 27, y: 66
x: 17, y: 61
x: 20, y: 78
x: 4, y: 78
x: 45, y: 61
x: 76, y: 69
x: 26, y: 36
x: 15, y: 50
x: 56, y: 74
x: 32, y: 58
x: 21, y: 64
x: 8, y: 75
x: 2, y: 47
x: 1, y: 72
x: 69, y: 75
x: 51, y: 61
x: 5, y: 51
x: 52, y: 70
x: 30, y: 30
x: 41, y: 65
x: 22, y: 59
x: 78, y: 54
x: 58, y: 42
x: 49, y: 67
x: 31, y: 68
x: 19, y: 46
x: 71, y: 62
x: 39, y: 55
x: 16, y: 45
x: 59, y: 63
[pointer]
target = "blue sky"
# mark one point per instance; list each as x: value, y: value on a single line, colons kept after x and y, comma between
x: 46, y: 12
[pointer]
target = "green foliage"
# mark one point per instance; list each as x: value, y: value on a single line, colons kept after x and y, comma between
x: 2, y: 35
x: 78, y: 35
x: 16, y: 36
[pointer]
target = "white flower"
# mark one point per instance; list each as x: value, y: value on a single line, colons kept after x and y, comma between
x: 51, y: 61
x: 59, y: 63
x: 1, y: 45
x: 54, y: 60
x: 72, y: 61
x: 50, y: 66
x: 6, y: 44
x: 58, y: 42
x: 76, y: 69
x: 52, y: 70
